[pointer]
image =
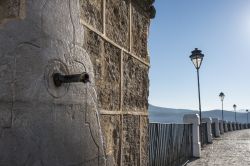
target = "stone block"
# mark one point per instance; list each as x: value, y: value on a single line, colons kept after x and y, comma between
x: 140, y: 28
x: 195, y: 120
x: 217, y: 127
x: 208, y: 120
x: 109, y: 85
x: 221, y: 127
x: 93, y: 44
x: 117, y: 21
x: 144, y: 140
x: 111, y: 128
x: 91, y: 13
x: 135, y: 84
x: 225, y: 124
x: 131, y: 140
x: 106, y: 61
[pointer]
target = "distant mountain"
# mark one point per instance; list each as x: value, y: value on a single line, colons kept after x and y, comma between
x: 170, y: 115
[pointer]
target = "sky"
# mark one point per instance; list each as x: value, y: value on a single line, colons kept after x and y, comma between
x: 221, y: 29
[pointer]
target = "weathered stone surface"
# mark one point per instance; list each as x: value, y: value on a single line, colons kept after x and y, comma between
x: 117, y: 21
x: 131, y: 140
x: 111, y: 127
x: 144, y: 140
x: 10, y: 9
x: 5, y: 114
x: 135, y: 83
x: 110, y: 85
x: 106, y: 59
x: 94, y: 45
x: 91, y: 12
x: 42, y: 124
x: 140, y: 28
x: 147, y: 6
x: 48, y: 135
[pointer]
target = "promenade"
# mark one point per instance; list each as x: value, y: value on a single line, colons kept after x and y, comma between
x: 231, y: 149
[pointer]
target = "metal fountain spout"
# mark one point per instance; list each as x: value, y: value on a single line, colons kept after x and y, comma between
x: 59, y: 79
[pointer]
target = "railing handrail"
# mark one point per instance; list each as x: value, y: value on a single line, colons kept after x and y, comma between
x: 168, y: 123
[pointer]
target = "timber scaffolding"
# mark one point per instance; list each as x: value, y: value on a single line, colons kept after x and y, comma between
x: 175, y: 144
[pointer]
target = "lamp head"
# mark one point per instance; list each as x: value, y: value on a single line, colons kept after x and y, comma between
x: 234, y: 106
x: 197, y: 58
x: 222, y: 96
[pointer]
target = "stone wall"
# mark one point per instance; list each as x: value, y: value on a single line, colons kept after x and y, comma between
x: 45, y: 125
x: 116, y: 33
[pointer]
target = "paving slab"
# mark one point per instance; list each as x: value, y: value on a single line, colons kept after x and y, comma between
x: 231, y: 149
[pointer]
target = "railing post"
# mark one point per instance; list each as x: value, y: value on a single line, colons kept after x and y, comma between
x: 194, y: 119
x: 217, y: 127
x: 225, y: 124
x: 230, y: 126
x: 209, y: 129
x: 221, y: 127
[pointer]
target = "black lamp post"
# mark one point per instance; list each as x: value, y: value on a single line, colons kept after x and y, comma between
x: 247, y: 116
x: 234, y: 106
x: 197, y: 58
x: 222, y: 96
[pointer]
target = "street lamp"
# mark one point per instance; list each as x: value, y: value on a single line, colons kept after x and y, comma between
x: 235, y: 112
x: 197, y: 58
x: 222, y: 96
x: 247, y: 116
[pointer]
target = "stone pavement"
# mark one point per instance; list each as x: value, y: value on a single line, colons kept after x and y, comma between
x: 231, y: 149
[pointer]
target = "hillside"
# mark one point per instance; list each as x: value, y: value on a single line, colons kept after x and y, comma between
x: 170, y: 115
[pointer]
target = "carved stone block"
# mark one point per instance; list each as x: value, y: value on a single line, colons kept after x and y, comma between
x: 136, y: 82
x: 144, y: 140
x: 140, y: 28
x: 117, y: 21
x: 111, y: 127
x: 91, y: 13
x: 106, y: 59
x: 131, y: 140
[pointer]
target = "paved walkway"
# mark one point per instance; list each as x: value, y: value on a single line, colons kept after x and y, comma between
x: 232, y: 149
